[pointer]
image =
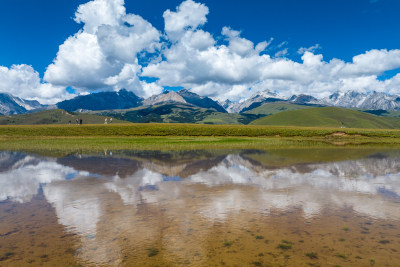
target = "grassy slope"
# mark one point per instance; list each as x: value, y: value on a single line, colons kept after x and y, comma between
x: 383, y: 113
x: 328, y: 117
x: 56, y: 116
x: 178, y: 113
x: 275, y: 107
x: 229, y: 118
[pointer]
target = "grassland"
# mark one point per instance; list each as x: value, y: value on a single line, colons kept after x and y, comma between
x: 329, y: 117
x: 383, y: 113
x: 183, y: 136
x: 178, y: 129
x: 55, y: 116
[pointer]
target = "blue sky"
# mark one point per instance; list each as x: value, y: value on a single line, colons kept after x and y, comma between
x: 32, y: 31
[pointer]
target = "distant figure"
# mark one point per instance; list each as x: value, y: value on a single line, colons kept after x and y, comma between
x: 110, y: 120
x: 105, y: 121
x: 76, y: 121
x: 69, y: 122
x: 80, y: 121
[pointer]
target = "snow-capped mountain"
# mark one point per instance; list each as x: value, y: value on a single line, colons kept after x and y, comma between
x: 353, y: 99
x: 349, y: 99
x: 254, y: 101
x: 10, y: 104
x: 225, y: 104
x: 123, y: 99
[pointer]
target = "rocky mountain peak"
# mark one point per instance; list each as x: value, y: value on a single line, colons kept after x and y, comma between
x: 10, y: 104
x: 354, y: 99
x: 165, y: 97
x: 256, y: 100
x: 200, y: 101
x: 303, y: 99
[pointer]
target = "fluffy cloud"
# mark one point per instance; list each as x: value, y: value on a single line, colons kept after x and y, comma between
x: 100, y: 12
x: 237, y: 68
x: 112, y: 51
x: 189, y: 16
x: 23, y: 81
x: 104, y: 55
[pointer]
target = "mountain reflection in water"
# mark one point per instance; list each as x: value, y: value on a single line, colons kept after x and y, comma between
x: 150, y: 195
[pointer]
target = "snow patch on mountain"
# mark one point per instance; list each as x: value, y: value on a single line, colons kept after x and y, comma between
x: 10, y: 104
x: 354, y: 99
x: 254, y: 101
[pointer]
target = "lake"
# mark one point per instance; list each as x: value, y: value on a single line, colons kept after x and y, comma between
x: 278, y: 207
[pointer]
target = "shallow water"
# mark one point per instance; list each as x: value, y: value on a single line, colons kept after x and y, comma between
x: 293, y: 207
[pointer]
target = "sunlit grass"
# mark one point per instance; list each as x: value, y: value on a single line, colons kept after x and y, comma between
x: 185, y: 137
x: 189, y: 130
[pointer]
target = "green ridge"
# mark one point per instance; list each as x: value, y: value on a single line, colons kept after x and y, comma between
x: 275, y: 107
x: 329, y: 117
x: 55, y: 116
x: 178, y: 113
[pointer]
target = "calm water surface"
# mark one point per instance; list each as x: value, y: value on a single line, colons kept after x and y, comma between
x: 293, y: 207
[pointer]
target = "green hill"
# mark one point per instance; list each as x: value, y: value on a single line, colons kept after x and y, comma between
x: 275, y: 107
x: 54, y: 116
x: 329, y: 117
x: 383, y: 113
x: 178, y: 113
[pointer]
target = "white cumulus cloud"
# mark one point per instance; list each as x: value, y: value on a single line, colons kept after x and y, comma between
x: 23, y: 81
x: 115, y: 50
x: 236, y: 68
x: 104, y: 55
x: 188, y: 16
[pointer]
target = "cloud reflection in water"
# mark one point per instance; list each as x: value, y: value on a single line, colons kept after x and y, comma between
x: 91, y: 204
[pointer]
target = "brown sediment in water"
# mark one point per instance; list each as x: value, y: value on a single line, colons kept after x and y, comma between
x: 31, y: 236
x: 251, y: 239
x: 180, y: 232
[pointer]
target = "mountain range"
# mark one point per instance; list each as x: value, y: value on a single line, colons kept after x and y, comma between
x: 349, y: 99
x: 124, y: 99
x: 183, y: 96
x: 10, y: 104
x: 353, y: 99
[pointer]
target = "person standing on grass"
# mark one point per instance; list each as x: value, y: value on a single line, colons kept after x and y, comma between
x: 110, y: 120
x: 76, y: 121
x: 80, y: 121
x: 105, y: 121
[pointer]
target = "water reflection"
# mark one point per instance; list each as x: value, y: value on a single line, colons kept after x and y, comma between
x: 148, y: 197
